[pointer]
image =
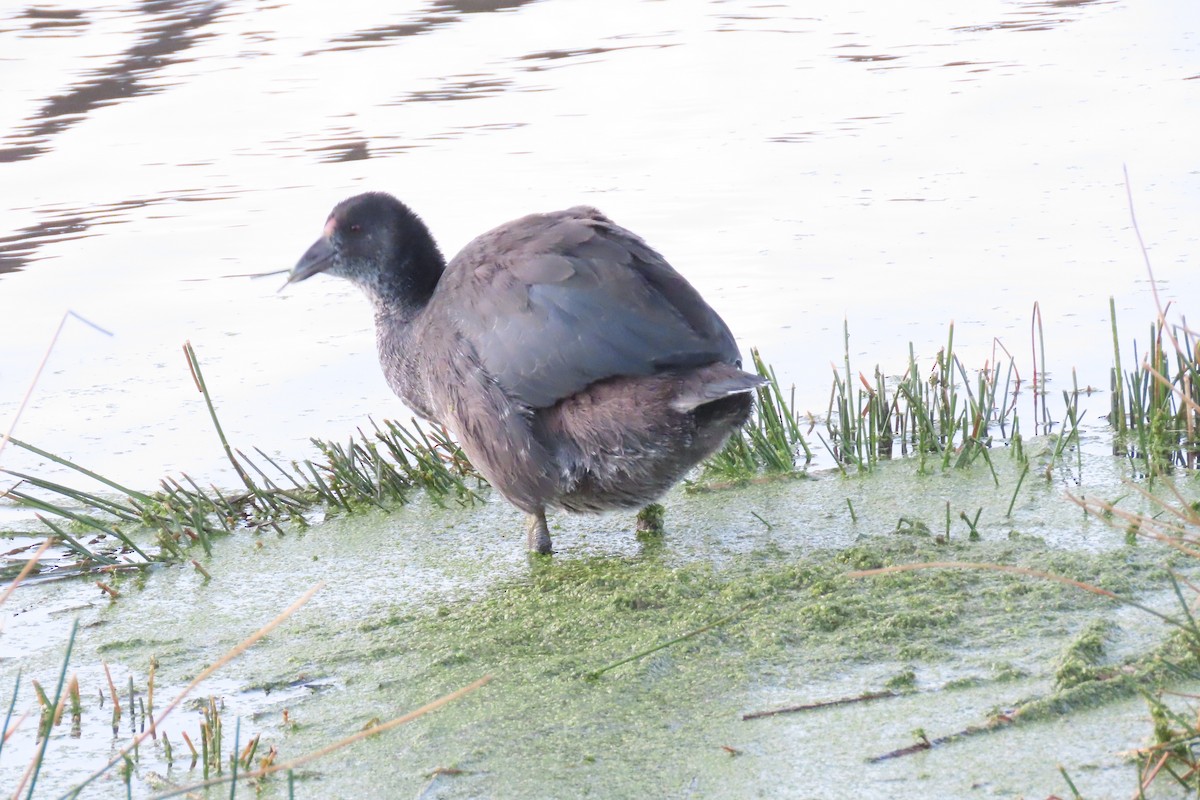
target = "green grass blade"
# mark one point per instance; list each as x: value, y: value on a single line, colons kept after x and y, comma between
x: 11, y: 705
x: 73, y: 466
x: 62, y: 680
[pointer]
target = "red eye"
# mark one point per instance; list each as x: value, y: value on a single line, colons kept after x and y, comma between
x: 355, y: 228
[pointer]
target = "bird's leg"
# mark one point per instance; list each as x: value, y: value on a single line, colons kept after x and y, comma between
x: 538, y: 539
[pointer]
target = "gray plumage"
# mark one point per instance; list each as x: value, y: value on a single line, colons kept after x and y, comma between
x: 576, y: 367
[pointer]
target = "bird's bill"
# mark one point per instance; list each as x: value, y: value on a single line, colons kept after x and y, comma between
x: 318, y: 259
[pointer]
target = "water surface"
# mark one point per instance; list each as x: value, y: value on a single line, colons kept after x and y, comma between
x: 896, y: 167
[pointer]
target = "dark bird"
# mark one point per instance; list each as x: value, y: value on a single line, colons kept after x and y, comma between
x: 577, y: 369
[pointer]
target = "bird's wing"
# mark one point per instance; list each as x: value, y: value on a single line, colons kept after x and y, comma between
x: 559, y: 301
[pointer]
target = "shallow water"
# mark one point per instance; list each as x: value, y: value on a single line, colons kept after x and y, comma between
x: 894, y: 167
x: 898, y: 168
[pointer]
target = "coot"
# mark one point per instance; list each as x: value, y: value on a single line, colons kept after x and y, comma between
x: 577, y: 369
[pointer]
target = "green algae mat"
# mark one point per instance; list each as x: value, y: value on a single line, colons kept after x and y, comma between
x: 736, y: 655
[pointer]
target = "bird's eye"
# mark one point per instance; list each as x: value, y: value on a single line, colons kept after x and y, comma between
x: 355, y: 227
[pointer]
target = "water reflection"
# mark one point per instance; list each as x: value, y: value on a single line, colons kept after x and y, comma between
x: 770, y: 19
x: 443, y: 12
x: 460, y: 87
x: 50, y: 22
x: 354, y: 148
x: 173, y: 28
x: 19, y: 249
x: 865, y: 58
x: 583, y: 55
x: 335, y: 145
x: 1041, y: 15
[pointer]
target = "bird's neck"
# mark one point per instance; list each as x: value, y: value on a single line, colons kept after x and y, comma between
x: 396, y: 338
x: 402, y: 291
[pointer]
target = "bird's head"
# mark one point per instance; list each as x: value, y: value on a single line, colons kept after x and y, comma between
x: 375, y: 241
